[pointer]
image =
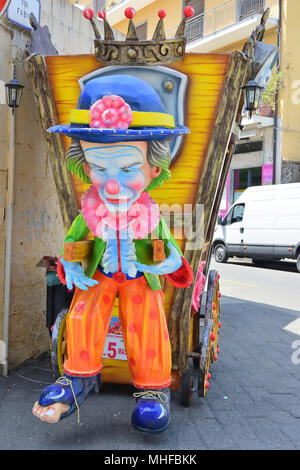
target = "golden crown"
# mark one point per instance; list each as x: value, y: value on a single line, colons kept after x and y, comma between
x: 133, y: 51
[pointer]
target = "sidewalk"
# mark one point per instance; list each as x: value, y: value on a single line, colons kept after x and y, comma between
x: 253, y: 401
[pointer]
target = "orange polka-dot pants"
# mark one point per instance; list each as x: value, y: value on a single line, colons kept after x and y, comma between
x: 143, y: 325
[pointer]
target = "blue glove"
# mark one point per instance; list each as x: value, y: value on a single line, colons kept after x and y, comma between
x: 168, y: 266
x: 75, y: 275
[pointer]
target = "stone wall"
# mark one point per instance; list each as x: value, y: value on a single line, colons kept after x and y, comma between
x: 290, y: 172
x: 37, y: 224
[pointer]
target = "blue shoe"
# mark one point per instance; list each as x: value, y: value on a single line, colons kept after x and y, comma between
x: 68, y: 390
x: 152, y: 411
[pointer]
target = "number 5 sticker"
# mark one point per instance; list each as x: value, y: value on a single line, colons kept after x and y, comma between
x: 112, y: 350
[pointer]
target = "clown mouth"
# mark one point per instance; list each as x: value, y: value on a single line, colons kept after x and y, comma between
x: 118, y: 200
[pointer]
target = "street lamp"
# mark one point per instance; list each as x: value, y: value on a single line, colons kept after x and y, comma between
x: 14, y: 92
x: 252, y: 92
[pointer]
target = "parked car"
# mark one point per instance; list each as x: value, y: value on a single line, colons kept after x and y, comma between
x: 263, y: 224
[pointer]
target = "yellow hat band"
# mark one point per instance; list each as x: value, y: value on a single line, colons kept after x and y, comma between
x: 140, y: 118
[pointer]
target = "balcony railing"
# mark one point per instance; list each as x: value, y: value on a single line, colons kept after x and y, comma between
x: 224, y: 15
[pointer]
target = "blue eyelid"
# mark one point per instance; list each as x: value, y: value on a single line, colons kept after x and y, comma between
x: 132, y: 167
x: 98, y: 168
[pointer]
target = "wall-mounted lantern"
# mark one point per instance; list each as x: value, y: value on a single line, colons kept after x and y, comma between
x: 252, y: 92
x: 14, y: 92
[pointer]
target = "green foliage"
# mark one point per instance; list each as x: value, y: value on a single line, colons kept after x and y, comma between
x: 268, y: 96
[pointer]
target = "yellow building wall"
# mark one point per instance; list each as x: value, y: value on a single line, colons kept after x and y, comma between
x: 149, y: 13
x: 289, y: 96
x: 270, y: 38
x: 81, y: 2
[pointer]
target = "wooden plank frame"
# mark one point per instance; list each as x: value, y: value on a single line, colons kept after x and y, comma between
x: 210, y: 186
x: 38, y: 76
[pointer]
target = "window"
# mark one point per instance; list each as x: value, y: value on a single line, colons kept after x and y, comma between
x: 250, y: 146
x: 236, y: 214
x: 246, y: 177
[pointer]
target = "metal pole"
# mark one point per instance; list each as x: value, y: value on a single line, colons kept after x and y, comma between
x: 275, y: 139
x: 9, y: 228
x: 8, y: 241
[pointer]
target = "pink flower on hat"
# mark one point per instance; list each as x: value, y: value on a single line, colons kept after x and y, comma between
x: 111, y: 112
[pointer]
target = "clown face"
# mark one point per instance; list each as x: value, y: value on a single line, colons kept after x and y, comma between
x: 120, y: 172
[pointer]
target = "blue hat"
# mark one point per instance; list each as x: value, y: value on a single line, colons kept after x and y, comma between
x: 149, y: 118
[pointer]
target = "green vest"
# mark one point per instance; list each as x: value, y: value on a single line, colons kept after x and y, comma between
x: 143, y: 248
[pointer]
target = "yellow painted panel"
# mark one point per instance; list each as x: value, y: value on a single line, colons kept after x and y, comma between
x: 206, y: 74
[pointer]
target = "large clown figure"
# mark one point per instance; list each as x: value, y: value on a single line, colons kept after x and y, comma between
x: 120, y: 144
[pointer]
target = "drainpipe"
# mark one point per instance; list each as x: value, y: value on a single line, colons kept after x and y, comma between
x: 9, y: 227
x: 275, y: 139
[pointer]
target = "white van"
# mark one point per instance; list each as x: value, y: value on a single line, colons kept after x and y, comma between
x: 262, y: 224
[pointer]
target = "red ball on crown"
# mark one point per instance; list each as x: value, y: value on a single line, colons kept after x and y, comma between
x: 88, y: 13
x: 162, y: 13
x: 188, y: 11
x: 129, y: 12
x: 102, y: 14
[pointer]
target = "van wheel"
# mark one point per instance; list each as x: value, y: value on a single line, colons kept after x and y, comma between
x: 258, y: 262
x: 298, y: 263
x: 220, y: 253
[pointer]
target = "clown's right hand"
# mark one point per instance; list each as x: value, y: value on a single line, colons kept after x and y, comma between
x: 74, y: 274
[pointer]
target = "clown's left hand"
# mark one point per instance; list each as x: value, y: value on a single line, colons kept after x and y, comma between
x: 171, y: 264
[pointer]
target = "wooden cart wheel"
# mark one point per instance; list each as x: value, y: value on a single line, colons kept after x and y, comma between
x: 186, y: 388
x: 210, y: 295
x: 216, y: 319
x: 206, y: 353
x: 212, y: 311
x: 59, y: 343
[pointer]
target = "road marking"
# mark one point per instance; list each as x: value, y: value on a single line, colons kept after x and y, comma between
x: 237, y: 282
x: 293, y: 327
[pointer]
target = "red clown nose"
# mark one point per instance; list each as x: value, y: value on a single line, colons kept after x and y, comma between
x: 112, y: 187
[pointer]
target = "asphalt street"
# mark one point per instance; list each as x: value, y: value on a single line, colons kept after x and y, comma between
x: 253, y: 401
x: 273, y: 283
